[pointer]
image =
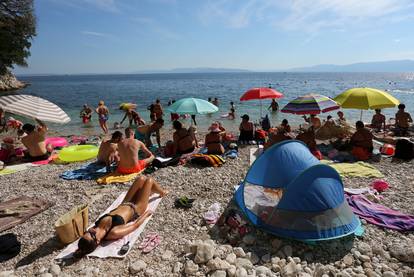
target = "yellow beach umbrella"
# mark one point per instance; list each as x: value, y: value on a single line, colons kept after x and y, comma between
x: 366, y: 99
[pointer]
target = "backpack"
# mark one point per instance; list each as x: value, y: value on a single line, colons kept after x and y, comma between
x: 9, y: 247
x: 404, y: 150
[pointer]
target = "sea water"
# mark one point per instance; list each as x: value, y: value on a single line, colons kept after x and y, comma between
x: 70, y: 92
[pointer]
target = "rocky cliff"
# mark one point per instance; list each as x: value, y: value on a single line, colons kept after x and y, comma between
x: 9, y: 82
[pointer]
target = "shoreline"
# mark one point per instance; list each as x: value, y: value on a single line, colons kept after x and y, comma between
x: 371, y: 255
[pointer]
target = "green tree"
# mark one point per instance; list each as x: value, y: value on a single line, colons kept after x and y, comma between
x: 17, y: 29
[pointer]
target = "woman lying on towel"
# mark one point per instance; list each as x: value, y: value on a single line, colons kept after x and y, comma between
x: 113, y: 226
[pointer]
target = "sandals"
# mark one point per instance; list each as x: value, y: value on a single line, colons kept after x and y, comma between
x: 150, y: 242
x: 184, y: 202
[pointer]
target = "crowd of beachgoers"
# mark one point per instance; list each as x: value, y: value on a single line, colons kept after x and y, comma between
x: 194, y: 172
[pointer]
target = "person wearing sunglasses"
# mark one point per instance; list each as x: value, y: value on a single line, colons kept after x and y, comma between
x: 114, y: 225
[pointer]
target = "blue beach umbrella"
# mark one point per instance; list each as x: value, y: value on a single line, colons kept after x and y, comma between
x: 192, y: 106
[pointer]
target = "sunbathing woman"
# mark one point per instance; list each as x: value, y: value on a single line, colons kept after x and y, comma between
x: 113, y: 226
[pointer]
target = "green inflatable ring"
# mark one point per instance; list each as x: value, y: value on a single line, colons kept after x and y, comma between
x: 77, y: 153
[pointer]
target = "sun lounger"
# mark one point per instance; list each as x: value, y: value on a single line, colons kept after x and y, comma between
x: 18, y: 210
x: 111, y: 248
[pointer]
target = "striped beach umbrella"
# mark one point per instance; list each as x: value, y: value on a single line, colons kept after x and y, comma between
x: 310, y: 104
x: 33, y: 107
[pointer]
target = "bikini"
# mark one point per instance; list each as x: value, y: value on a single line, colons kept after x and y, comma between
x: 117, y: 219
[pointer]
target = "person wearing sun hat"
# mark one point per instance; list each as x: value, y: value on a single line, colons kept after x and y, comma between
x: 213, y: 140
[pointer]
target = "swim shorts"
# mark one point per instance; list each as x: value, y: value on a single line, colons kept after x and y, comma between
x: 137, y: 168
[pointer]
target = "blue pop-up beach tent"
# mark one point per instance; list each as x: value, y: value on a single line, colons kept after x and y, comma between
x: 312, y: 205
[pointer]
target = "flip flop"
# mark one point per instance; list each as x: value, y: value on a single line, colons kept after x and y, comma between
x: 184, y: 202
x: 148, y: 238
x: 152, y: 244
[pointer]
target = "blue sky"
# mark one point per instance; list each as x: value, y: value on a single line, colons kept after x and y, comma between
x: 123, y: 36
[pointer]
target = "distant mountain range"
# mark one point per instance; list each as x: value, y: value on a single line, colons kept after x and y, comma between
x: 384, y: 66
x: 195, y: 70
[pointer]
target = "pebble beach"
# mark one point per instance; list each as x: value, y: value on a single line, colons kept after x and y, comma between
x: 189, y: 246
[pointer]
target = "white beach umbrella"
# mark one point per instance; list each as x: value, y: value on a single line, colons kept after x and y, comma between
x: 34, y: 107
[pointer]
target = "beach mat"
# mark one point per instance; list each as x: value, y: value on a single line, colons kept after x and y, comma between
x: 52, y: 158
x: 358, y: 169
x: 10, y: 169
x: 110, y: 249
x: 116, y: 177
x: 18, y: 210
x: 380, y: 215
x: 89, y: 171
x: 255, y: 153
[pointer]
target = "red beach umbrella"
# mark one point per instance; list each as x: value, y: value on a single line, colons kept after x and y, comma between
x: 259, y: 94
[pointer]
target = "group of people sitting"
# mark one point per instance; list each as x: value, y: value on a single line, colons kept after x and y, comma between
x: 123, y: 151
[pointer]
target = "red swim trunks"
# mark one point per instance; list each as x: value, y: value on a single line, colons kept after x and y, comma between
x: 138, y: 168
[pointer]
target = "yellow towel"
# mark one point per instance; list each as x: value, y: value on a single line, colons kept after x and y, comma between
x: 358, y: 169
x: 116, y: 177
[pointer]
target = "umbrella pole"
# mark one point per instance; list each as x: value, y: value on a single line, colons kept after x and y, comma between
x: 360, y: 118
x: 260, y: 109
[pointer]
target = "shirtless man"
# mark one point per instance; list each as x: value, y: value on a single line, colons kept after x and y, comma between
x: 402, y: 120
x: 34, y: 141
x: 158, y: 109
x: 361, y: 141
x: 128, y: 149
x: 378, y: 121
x: 108, y: 151
x: 144, y: 132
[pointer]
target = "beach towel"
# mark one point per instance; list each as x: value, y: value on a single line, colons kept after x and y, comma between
x: 358, y: 169
x: 52, y: 158
x: 207, y: 160
x: 255, y: 153
x: 18, y: 210
x: 116, y: 177
x: 380, y: 215
x: 111, y: 248
x: 15, y: 168
x: 89, y: 171
x: 232, y: 154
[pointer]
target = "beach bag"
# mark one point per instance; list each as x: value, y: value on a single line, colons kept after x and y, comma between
x: 9, y: 247
x: 404, y: 150
x: 73, y: 224
x: 159, y: 162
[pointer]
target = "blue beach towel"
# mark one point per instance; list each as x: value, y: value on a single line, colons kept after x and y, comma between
x: 90, y: 171
x: 232, y: 154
